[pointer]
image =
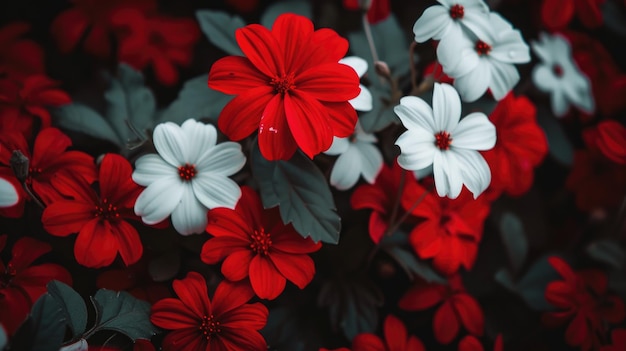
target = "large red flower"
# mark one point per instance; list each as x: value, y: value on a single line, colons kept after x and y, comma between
x: 22, y: 284
x: 521, y: 145
x: 557, y: 14
x: 396, y: 339
x: 48, y: 159
x: 227, y: 322
x: 451, y: 229
x: 582, y: 299
x: 19, y: 57
x: 289, y: 86
x: 457, y: 308
x: 256, y: 244
x: 609, y: 137
x: 98, y: 220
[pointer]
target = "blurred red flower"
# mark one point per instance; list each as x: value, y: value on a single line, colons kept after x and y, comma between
x: 227, y: 322
x: 457, y: 308
x: 557, y: 14
x: 256, y: 244
x: 618, y: 338
x: 471, y: 343
x: 19, y: 57
x: 609, y: 137
x: 396, y: 339
x: 290, y: 86
x: 582, y: 300
x: 98, y: 220
x: 378, y: 11
x: 22, y: 284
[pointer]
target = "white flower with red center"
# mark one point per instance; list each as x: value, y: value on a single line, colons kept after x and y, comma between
x: 436, y: 137
x: 363, y: 102
x: 486, y: 61
x: 357, y: 156
x: 451, y: 18
x: 8, y: 194
x: 188, y: 177
x: 558, y: 75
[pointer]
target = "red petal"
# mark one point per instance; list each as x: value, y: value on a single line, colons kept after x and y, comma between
x: 563, y: 269
x: 589, y: 12
x: 266, y: 281
x: 188, y: 339
x: 333, y: 82
x: 470, y: 313
x: 445, y: 324
x: 242, y: 115
x: 367, y: 342
x: 298, y: 269
x: 192, y: 291
x: 243, y: 339
x: 116, y: 184
x: 248, y: 316
x: 470, y: 343
x: 63, y: 218
x: 560, y: 294
x: 172, y: 313
x: 68, y: 28
x: 421, y: 297
x: 95, y: 245
x: 215, y: 249
x: 224, y: 222
x: 130, y: 247
x: 309, y: 123
x: 49, y: 145
x: 236, y: 75
x: 289, y: 241
x: 395, y: 334
x: 14, y: 308
x: 577, y: 331
x: 237, y: 265
x: 26, y: 250
x: 612, y: 140
x: 262, y: 49
x: 293, y: 33
x: 275, y: 139
x: 557, y: 13
x: 229, y: 296
x: 33, y: 280
x: 343, y: 118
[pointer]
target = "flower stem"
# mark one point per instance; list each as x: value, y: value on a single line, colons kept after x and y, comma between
x: 370, y: 39
x: 412, y: 66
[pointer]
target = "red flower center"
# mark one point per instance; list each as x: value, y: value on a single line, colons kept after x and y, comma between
x: 209, y: 327
x: 187, y: 172
x: 261, y: 242
x: 443, y: 140
x: 482, y: 48
x: 106, y: 210
x: 557, y: 70
x: 283, y: 84
x: 457, y: 11
x: 7, y: 276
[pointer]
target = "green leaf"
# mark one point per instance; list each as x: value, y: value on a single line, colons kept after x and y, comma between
x: 353, y: 304
x: 300, y: 190
x: 81, y: 118
x: 4, y: 339
x: 121, y: 312
x: 298, y: 7
x: 219, y: 28
x: 532, y: 286
x: 607, y: 251
x: 72, y: 306
x: 560, y: 146
x: 382, y: 114
x: 512, y: 232
x: 44, y: 328
x: 196, y: 100
x: 412, y: 266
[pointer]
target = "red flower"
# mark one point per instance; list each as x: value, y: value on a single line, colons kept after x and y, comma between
x: 256, y: 244
x: 471, y: 343
x: 225, y: 323
x: 557, y: 14
x: 289, y: 86
x: 48, y: 159
x: 458, y: 308
x: 99, y: 220
x: 23, y: 101
x: 396, y: 339
x: 136, y: 280
x: 19, y: 57
x: 618, y: 336
x: 92, y: 19
x: 161, y: 42
x: 583, y: 301
x: 22, y: 284
x: 451, y: 230
x: 609, y: 137
x: 378, y: 11
x: 521, y: 145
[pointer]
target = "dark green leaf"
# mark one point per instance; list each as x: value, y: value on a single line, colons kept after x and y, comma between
x: 219, y: 28
x: 196, y: 100
x: 81, y: 118
x: 607, y: 251
x: 298, y: 7
x: 72, y: 306
x: 614, y: 17
x: 44, y: 328
x: 514, y: 239
x: 560, y: 146
x: 3, y: 339
x: 121, y: 312
x: 532, y: 286
x: 300, y: 190
x: 382, y: 114
x: 412, y: 266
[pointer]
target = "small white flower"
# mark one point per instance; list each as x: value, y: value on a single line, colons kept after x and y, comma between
x: 451, y: 18
x: 188, y: 177
x: 357, y: 156
x: 486, y: 62
x: 558, y: 75
x: 363, y: 102
x: 8, y: 194
x: 435, y: 137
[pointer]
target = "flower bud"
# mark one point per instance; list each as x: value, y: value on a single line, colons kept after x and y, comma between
x: 382, y: 69
x: 19, y: 165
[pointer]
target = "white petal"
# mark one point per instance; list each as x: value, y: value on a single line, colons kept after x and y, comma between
x: 446, y: 107
x: 472, y: 5
x: 415, y: 113
x: 448, y: 178
x: 559, y: 103
x: 171, y: 144
x: 421, y: 173
x: 150, y: 168
x: 479, y: 24
x: 474, y: 84
x: 189, y: 217
x: 474, y: 132
x: 433, y: 23
x: 475, y: 171
x: 338, y: 147
x: 541, y: 49
x: 361, y: 135
x: 357, y: 63
x: 499, y: 23
x: 364, y: 101
x: 225, y: 159
x: 504, y: 77
x: 214, y: 190
x: 200, y: 137
x: 159, y: 200
x: 544, y: 79
x: 456, y: 54
x: 8, y: 194
x: 511, y: 48
x: 346, y: 169
x: 417, y: 149
x: 372, y: 161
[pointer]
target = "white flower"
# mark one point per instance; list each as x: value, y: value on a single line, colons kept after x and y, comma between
x: 188, y: 177
x: 485, y: 62
x: 435, y: 137
x: 363, y: 102
x: 451, y: 18
x: 558, y: 75
x: 357, y: 156
x: 8, y: 194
